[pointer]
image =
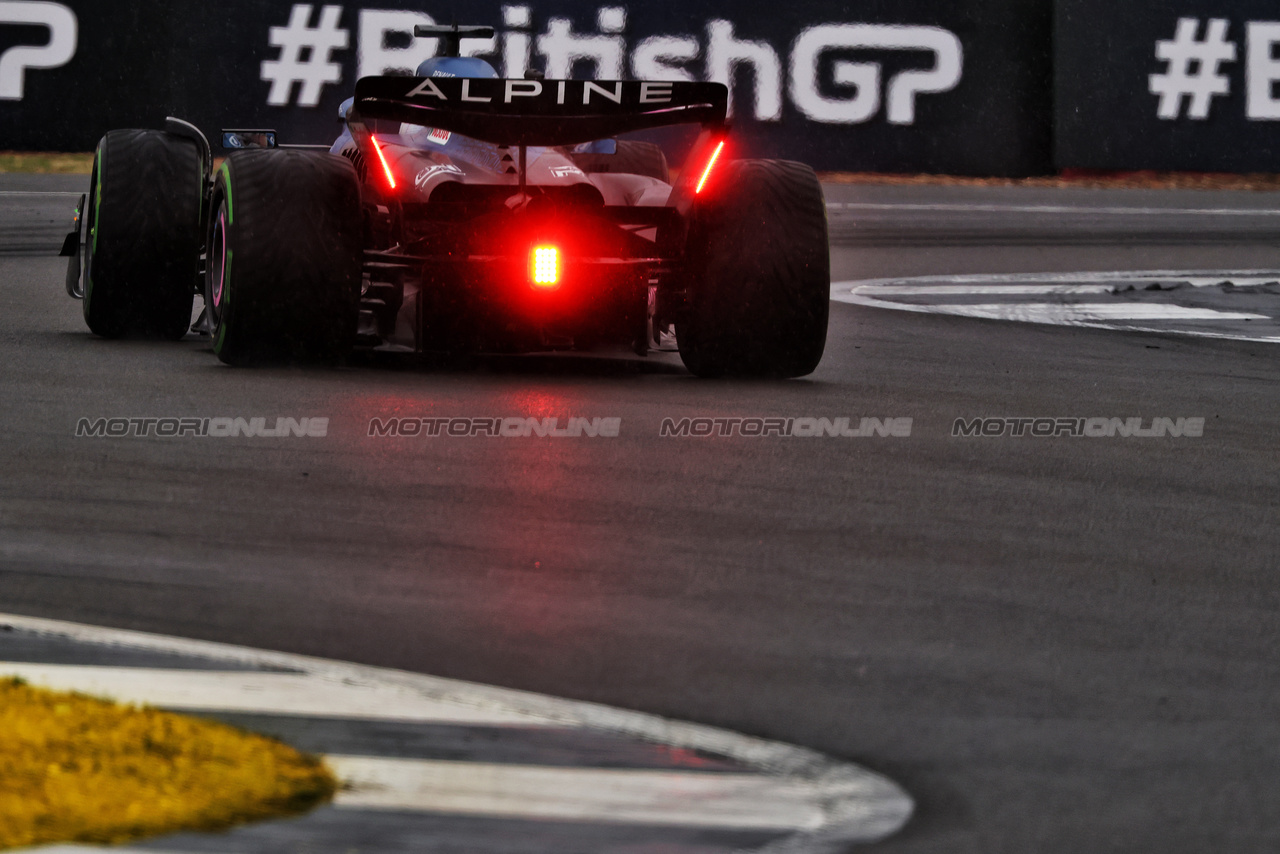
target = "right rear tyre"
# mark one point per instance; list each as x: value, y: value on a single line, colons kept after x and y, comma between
x: 285, y: 253
x: 758, y: 273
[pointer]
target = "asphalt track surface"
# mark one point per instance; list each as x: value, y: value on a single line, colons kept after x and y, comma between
x: 1055, y: 644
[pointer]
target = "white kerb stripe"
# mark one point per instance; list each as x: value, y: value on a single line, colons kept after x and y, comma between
x: 743, y: 801
x: 1084, y: 312
x: 858, y: 805
x: 958, y: 290
x: 250, y: 691
x: 1051, y: 209
x: 1196, y: 278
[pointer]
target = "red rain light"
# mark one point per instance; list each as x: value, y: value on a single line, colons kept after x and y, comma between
x: 386, y: 169
x: 544, y: 264
x: 711, y: 164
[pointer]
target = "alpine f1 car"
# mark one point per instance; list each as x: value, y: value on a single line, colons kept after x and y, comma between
x: 461, y: 212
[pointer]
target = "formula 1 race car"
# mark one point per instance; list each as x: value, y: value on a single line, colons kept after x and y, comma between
x: 460, y: 212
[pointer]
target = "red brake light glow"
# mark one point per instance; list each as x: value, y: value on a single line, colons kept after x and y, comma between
x: 545, y: 266
x: 711, y: 164
x: 386, y: 169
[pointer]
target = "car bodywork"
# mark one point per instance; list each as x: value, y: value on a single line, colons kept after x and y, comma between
x: 478, y: 174
x: 462, y: 212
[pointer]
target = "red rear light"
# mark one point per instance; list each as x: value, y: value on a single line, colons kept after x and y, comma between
x: 711, y: 164
x: 386, y: 169
x: 544, y: 267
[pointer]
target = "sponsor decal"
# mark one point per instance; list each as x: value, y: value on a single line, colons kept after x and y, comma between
x: 814, y: 71
x: 425, y: 176
x: 1193, y: 75
x: 306, y: 56
x: 439, y: 137
x: 1093, y: 428
x: 789, y: 427
x: 60, y: 49
x: 514, y: 427
x: 217, y: 428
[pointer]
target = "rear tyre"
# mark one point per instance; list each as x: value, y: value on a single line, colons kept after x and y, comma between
x: 758, y: 275
x: 633, y: 158
x: 285, y: 252
x: 142, y: 256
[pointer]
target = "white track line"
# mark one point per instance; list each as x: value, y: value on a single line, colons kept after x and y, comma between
x: 671, y: 798
x: 1053, y: 209
x: 248, y: 691
x: 827, y: 804
x: 939, y: 207
x: 1071, y: 314
x: 1195, y: 278
x: 856, y: 299
x: 959, y: 290
x: 868, y: 292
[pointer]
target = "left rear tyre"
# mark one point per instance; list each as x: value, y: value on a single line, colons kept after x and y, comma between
x: 143, y: 243
x: 285, y: 250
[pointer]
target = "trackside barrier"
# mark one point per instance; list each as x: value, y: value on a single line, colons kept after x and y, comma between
x: 907, y: 85
x: 985, y: 87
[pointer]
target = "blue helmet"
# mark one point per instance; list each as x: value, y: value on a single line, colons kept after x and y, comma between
x: 456, y: 66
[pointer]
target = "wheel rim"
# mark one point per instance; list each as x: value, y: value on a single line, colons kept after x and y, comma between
x: 90, y: 216
x: 218, y: 275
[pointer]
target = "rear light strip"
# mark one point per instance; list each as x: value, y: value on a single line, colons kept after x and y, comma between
x: 711, y: 164
x: 386, y: 169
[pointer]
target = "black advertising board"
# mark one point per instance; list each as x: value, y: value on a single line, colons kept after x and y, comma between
x: 902, y: 86
x: 1148, y: 84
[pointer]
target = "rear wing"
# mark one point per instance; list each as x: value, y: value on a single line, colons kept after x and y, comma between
x: 540, y: 112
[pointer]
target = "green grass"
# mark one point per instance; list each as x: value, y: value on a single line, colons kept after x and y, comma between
x: 46, y: 163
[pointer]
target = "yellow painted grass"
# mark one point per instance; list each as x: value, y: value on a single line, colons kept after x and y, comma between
x: 46, y: 163
x: 78, y: 769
